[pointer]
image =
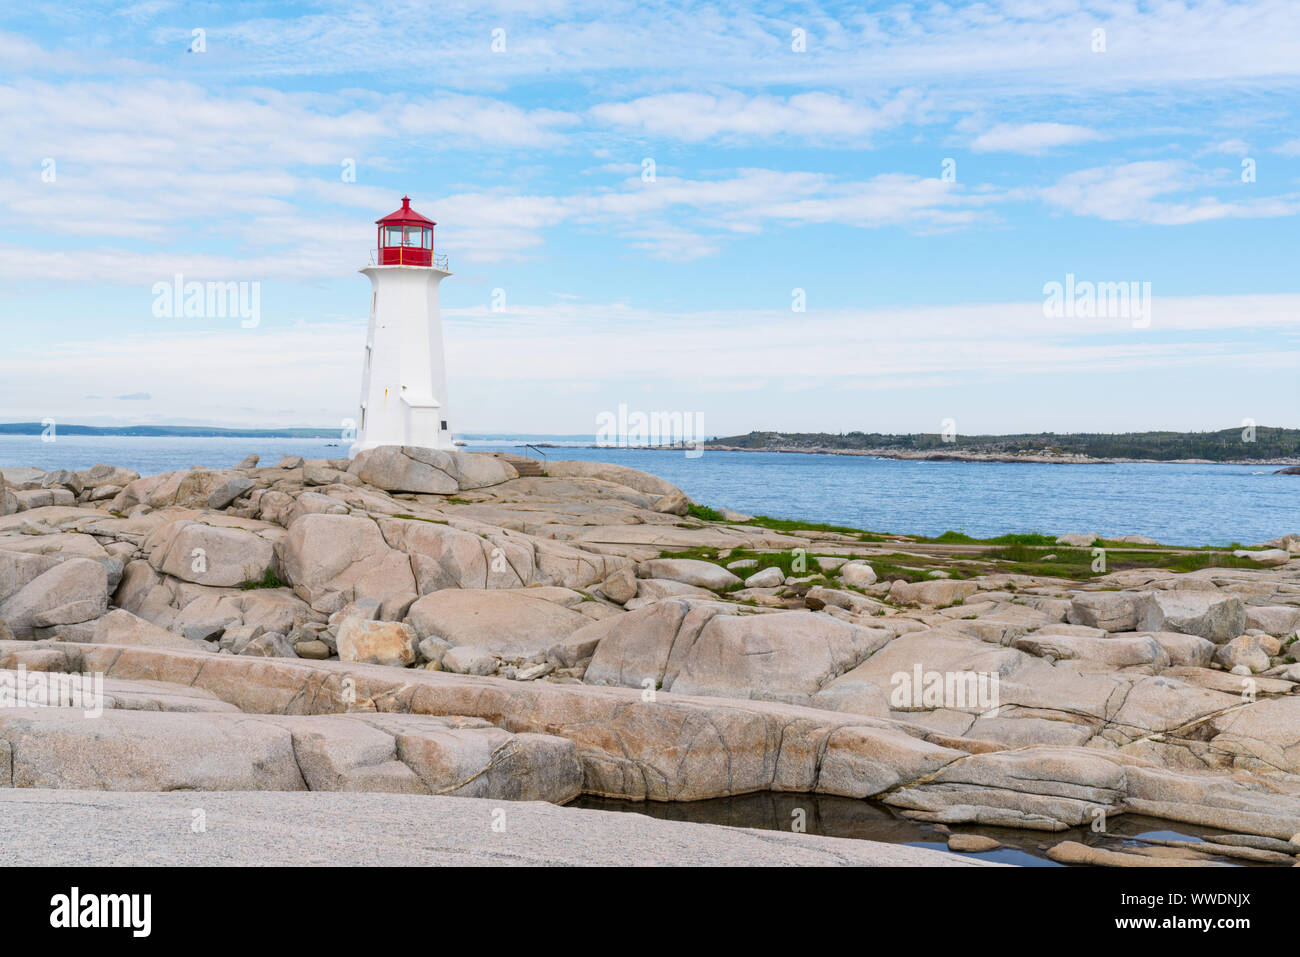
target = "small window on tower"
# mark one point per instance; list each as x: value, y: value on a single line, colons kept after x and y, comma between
x: 444, y: 425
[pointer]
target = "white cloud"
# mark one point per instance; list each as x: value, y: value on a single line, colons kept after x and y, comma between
x: 1139, y: 192
x: 994, y: 47
x: 1032, y: 138
x: 1231, y: 147
x: 696, y: 117
x: 310, y: 373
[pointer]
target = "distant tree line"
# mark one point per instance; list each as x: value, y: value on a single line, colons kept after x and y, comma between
x: 1224, y: 446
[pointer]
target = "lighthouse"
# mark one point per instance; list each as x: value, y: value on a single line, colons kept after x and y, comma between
x: 404, y: 378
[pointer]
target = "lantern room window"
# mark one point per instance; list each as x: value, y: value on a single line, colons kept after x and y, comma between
x: 417, y: 237
x: 405, y: 238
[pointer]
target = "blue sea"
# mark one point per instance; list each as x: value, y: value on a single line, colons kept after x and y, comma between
x: 1175, y: 504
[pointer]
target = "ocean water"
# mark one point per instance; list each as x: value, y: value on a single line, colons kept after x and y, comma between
x: 1175, y: 504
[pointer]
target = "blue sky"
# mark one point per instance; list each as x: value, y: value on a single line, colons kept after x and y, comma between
x: 1115, y: 157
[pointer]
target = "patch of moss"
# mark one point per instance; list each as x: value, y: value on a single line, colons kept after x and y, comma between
x: 269, y: 579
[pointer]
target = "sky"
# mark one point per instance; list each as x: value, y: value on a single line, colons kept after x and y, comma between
x: 796, y: 217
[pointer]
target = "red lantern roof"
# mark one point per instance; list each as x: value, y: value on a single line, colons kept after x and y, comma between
x: 405, y: 216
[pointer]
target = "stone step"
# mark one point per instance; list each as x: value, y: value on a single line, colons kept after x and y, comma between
x: 523, y: 465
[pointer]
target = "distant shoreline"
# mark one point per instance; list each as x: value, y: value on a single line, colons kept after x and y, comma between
x: 36, y: 430
x: 939, y: 456
x: 166, y: 431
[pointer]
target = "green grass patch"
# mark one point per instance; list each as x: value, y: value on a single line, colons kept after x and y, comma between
x: 1077, y: 563
x: 951, y: 537
x: 704, y: 513
x: 417, y: 518
x: 793, y: 525
x: 269, y: 579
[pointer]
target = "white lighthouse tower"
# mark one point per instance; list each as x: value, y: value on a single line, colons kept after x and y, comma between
x: 404, y: 379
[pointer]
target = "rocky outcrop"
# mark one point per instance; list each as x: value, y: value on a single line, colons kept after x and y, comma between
x: 120, y: 627
x: 210, y: 554
x: 70, y: 593
x: 507, y: 622
x: 1210, y: 615
x: 688, y: 571
x: 376, y: 642
x: 409, y: 469
x: 940, y: 594
x: 334, y: 559
x: 128, y: 750
x: 615, y: 474
x: 307, y: 604
x: 696, y: 647
x: 1107, y: 610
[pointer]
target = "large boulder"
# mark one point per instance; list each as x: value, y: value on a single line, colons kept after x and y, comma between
x: 331, y: 560
x: 446, y: 557
x: 1107, y: 610
x: 1277, y: 620
x: 210, y: 554
x: 642, y: 646
x: 70, y: 593
x: 1183, y: 649
x: 862, y: 762
x: 785, y: 656
x: 98, y: 476
x: 1077, y: 539
x: 1042, y: 788
x: 940, y: 593
x: 19, y: 568
x: 1118, y: 652
x: 189, y: 488
x: 856, y: 574
x: 688, y: 571
x: 8, y: 500
x: 120, y: 627
x: 1267, y: 730
x: 421, y: 754
x: 505, y: 622
x: 1267, y: 556
x: 127, y: 750
x: 228, y: 491
x: 408, y: 468
x: 689, y: 646
x: 620, y: 587
x: 1247, y: 651
x: 1213, y: 616
x: 376, y: 642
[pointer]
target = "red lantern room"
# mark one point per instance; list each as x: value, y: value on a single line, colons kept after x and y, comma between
x: 406, y: 239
